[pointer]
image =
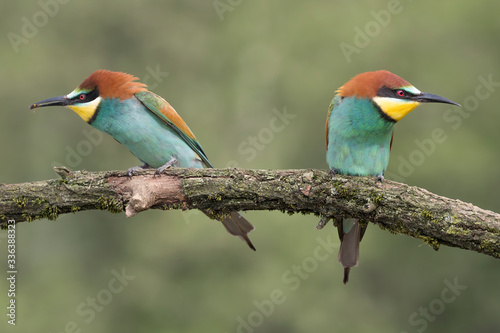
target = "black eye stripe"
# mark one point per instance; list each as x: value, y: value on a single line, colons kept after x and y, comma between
x: 86, y: 97
x: 394, y: 93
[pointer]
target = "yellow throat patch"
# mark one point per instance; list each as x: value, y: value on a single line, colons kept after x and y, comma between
x: 86, y: 110
x: 395, y: 108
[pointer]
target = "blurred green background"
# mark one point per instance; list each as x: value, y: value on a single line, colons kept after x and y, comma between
x: 232, y: 66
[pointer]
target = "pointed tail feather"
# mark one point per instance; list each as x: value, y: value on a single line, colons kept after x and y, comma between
x: 237, y: 225
x: 350, y: 234
x: 346, y: 274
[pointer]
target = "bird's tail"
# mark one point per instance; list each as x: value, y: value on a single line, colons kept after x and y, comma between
x: 237, y: 225
x: 350, y: 234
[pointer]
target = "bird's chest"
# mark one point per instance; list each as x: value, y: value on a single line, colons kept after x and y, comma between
x: 144, y: 134
x: 358, y: 141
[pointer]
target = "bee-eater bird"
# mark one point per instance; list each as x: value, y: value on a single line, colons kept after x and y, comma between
x: 359, y: 133
x: 145, y: 123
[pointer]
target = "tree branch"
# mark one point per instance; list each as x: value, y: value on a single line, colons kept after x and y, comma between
x: 396, y: 207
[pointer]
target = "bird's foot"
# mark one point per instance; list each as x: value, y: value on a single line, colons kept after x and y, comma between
x: 131, y: 171
x: 380, y: 178
x: 165, y: 166
x: 333, y: 172
x: 321, y: 224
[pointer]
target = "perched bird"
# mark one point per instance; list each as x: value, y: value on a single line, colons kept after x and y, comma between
x: 145, y: 123
x: 359, y: 133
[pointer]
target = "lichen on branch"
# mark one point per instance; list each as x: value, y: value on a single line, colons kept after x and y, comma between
x: 393, y: 206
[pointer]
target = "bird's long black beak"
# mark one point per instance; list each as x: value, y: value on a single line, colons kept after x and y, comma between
x: 54, y: 101
x: 431, y: 98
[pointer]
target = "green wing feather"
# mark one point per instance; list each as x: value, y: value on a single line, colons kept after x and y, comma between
x: 167, y: 114
x: 334, y: 102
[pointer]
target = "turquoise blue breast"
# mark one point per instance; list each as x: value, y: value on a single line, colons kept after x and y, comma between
x: 359, y: 138
x: 143, y: 133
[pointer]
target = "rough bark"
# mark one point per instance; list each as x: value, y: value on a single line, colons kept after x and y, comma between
x: 393, y: 206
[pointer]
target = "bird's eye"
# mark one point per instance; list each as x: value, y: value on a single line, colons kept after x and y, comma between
x: 82, y: 97
x: 400, y: 93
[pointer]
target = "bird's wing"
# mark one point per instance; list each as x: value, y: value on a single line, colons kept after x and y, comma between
x: 333, y: 104
x: 169, y: 116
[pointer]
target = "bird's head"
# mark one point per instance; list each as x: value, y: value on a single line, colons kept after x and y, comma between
x: 394, y: 96
x: 101, y: 84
